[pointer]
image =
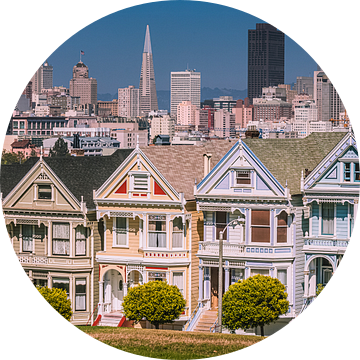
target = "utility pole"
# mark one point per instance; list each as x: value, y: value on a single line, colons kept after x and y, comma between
x: 220, y: 290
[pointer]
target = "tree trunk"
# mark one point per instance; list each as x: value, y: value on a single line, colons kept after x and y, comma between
x: 156, y: 326
x: 262, y: 330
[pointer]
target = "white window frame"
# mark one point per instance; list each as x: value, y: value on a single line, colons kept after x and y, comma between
x: 177, y: 232
x: 127, y: 234
x: 133, y: 175
x: 183, y: 290
x: 166, y: 220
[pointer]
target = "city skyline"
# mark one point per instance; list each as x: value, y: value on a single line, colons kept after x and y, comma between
x: 219, y: 53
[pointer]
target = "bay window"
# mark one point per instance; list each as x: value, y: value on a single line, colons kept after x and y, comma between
x: 177, y: 233
x: 327, y: 219
x: 260, y: 226
x: 80, y: 240
x: 27, y: 238
x: 282, y: 227
x: 61, y: 239
x: 80, y: 294
x: 121, y: 232
x: 157, y: 231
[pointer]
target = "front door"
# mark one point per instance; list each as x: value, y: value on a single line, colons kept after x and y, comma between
x: 117, y: 291
x: 214, y: 287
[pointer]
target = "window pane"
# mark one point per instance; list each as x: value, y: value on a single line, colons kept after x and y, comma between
x: 260, y: 234
x: 61, y: 283
x: 121, y: 231
x: 282, y: 276
x: 282, y: 219
x: 61, y: 231
x: 282, y: 234
x: 178, y: 280
x: 328, y: 219
x: 44, y: 192
x: 177, y: 224
x: 260, y: 217
x: 80, y: 294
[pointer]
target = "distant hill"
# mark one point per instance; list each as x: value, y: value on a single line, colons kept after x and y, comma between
x: 206, y: 94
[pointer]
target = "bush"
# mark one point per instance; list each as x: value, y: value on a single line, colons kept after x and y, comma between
x: 256, y: 301
x: 156, y: 301
x: 57, y: 298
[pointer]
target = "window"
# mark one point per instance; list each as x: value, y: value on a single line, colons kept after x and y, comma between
x: 347, y: 172
x: 120, y: 231
x: 177, y: 234
x: 221, y: 222
x: 282, y: 227
x: 140, y: 182
x: 27, y: 238
x: 15, y: 124
x: 80, y: 294
x: 328, y: 219
x: 282, y: 277
x: 44, y: 192
x: 260, y: 226
x: 264, y: 272
x: 178, y: 280
x: 243, y: 177
x: 22, y: 125
x: 80, y: 240
x: 236, y: 275
x: 61, y: 283
x: 61, y: 239
x: 156, y: 276
x: 157, y: 231
x: 357, y: 172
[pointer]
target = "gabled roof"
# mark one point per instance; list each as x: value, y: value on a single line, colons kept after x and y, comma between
x: 286, y: 158
x: 81, y: 175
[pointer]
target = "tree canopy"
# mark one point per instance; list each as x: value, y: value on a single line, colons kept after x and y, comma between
x: 155, y: 301
x: 9, y: 158
x: 257, y: 301
x: 60, y: 149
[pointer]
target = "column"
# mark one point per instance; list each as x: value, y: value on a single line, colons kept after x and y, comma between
x: 101, y: 297
x: 49, y: 239
x: 33, y: 239
x: 306, y: 284
x: 201, y: 283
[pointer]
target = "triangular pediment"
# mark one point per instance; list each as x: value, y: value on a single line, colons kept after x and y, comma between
x: 41, y: 190
x: 240, y: 173
x: 337, y: 168
x: 137, y: 180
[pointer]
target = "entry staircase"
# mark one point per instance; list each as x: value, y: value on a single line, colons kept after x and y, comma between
x: 115, y: 319
x: 206, y: 321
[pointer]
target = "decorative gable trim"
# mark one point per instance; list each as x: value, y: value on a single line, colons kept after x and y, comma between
x: 332, y: 157
x: 239, y: 158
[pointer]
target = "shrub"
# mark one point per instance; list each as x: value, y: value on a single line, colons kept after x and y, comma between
x: 57, y: 298
x: 256, y: 301
x: 156, y: 301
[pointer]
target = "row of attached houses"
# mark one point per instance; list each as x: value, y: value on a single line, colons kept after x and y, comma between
x: 97, y: 226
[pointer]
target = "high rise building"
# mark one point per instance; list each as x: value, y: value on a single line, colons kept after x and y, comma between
x: 184, y: 86
x: 186, y: 113
x: 147, y: 87
x: 266, y: 59
x: 328, y: 102
x: 304, y: 85
x: 43, y: 78
x: 128, y: 100
x: 83, y: 86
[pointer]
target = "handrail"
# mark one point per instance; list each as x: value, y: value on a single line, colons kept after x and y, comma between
x: 96, y: 306
x: 214, y: 326
x: 192, y: 316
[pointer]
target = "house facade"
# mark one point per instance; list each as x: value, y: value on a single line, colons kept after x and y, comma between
x: 271, y: 215
x: 51, y: 222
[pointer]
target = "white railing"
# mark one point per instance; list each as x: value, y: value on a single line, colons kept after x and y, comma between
x: 32, y: 259
x: 326, y: 242
x: 228, y: 248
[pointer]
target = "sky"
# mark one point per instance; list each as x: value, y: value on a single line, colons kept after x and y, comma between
x: 207, y: 37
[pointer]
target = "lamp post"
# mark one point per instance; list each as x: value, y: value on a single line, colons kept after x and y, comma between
x: 237, y: 221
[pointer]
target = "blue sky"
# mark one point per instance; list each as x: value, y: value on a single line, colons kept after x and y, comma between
x: 207, y: 37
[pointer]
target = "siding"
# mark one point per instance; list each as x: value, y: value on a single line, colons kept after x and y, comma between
x: 197, y: 235
x: 299, y: 260
x: 342, y: 221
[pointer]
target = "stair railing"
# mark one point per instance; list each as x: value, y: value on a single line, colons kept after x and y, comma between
x: 214, y: 326
x: 192, y: 318
x: 93, y: 312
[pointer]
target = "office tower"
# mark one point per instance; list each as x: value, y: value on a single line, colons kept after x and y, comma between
x: 265, y: 59
x: 83, y: 86
x: 328, y: 102
x: 43, y: 78
x: 185, y: 113
x: 147, y: 87
x: 184, y: 86
x: 304, y: 85
x: 128, y: 100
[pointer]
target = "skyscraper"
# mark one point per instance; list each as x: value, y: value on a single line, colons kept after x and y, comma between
x: 266, y: 57
x: 147, y: 87
x: 43, y: 78
x: 83, y: 86
x: 185, y: 86
x: 128, y: 100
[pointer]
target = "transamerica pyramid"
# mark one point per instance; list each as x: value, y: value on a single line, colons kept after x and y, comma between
x: 148, y: 97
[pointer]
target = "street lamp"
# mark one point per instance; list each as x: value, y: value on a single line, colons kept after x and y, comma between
x: 237, y: 221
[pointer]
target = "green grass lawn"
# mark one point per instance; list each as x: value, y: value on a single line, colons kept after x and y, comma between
x: 168, y: 344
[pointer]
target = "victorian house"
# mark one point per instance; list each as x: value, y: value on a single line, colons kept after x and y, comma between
x: 254, y: 195
x: 151, y: 227
x: 50, y: 217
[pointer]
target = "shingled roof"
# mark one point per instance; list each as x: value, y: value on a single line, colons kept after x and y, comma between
x: 81, y: 175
